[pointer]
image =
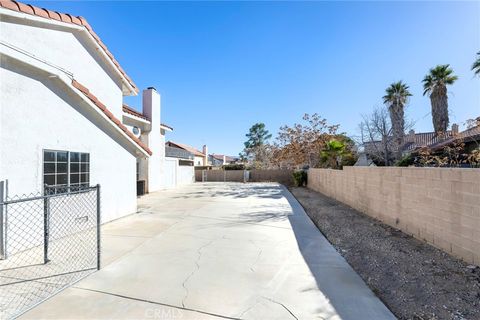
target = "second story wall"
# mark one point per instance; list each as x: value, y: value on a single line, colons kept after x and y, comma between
x: 68, y: 48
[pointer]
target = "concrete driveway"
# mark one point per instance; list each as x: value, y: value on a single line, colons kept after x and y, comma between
x: 217, y: 250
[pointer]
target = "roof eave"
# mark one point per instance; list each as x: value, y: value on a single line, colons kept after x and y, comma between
x: 128, y: 87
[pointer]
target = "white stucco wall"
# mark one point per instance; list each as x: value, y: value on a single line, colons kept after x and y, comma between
x: 37, y: 113
x: 198, y: 161
x: 69, y: 50
x: 185, y: 175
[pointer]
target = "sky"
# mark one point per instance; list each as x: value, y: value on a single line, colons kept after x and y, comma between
x: 220, y: 67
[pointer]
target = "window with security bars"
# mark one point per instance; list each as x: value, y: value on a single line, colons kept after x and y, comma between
x: 63, y: 170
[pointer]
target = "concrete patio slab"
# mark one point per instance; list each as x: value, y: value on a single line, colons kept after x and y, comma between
x: 217, y: 250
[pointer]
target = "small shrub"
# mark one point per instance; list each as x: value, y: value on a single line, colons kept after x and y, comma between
x: 300, y: 178
x: 406, y: 161
x: 239, y: 166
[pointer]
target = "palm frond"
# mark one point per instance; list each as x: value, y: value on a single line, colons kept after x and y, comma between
x: 476, y: 65
x: 440, y: 75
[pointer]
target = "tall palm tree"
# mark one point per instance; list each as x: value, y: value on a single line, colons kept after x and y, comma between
x: 396, y: 98
x: 435, y: 84
x: 476, y: 65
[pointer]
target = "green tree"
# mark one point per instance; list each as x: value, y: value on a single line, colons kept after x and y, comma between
x: 257, y: 136
x: 396, y: 98
x: 257, y: 149
x: 435, y: 84
x: 332, y: 154
x: 476, y: 65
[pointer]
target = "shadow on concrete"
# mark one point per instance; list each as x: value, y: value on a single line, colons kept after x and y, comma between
x: 346, y: 291
x: 348, y: 295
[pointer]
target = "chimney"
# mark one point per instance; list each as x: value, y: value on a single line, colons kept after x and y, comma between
x: 454, y: 129
x: 151, y: 107
x: 411, y: 135
x: 151, y: 168
x: 224, y: 159
x: 205, y: 155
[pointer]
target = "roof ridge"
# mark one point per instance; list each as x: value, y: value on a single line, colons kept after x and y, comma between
x: 127, y: 109
x: 110, y: 115
x: 67, y: 18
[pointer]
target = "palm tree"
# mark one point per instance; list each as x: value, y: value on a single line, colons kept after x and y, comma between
x: 396, y: 98
x: 332, y: 153
x: 435, y: 84
x: 476, y: 65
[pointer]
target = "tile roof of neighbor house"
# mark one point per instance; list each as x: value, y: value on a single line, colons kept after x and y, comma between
x: 67, y: 18
x: 471, y: 134
x: 186, y: 147
x: 110, y: 115
x: 220, y: 157
x: 418, y: 140
x: 129, y: 110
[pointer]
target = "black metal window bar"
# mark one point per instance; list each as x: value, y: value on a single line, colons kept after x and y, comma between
x: 48, y: 241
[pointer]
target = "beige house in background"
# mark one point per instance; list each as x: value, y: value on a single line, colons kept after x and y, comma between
x: 200, y: 159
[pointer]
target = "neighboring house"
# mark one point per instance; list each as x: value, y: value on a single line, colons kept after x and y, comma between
x: 180, y: 162
x: 364, y: 161
x: 218, y: 160
x: 62, y: 119
x: 199, y: 157
x: 413, y: 142
x: 470, y: 137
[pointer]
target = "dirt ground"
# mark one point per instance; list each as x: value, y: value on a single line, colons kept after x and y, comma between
x: 413, y: 279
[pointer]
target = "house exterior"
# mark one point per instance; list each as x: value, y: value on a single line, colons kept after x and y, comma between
x: 146, y: 126
x: 218, y: 160
x: 200, y: 158
x: 414, y: 142
x: 180, y: 164
x: 62, y: 118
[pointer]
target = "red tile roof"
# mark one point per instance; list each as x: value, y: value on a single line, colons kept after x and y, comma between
x: 134, y: 112
x: 186, y: 147
x: 166, y: 125
x: 67, y: 18
x: 104, y: 109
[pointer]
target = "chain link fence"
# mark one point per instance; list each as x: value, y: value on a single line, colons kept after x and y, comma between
x: 48, y: 241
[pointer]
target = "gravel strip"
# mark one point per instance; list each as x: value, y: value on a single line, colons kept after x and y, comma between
x: 413, y: 279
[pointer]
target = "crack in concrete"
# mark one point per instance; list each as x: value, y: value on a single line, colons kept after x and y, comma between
x: 199, y: 256
x: 248, y: 309
x: 158, y: 303
x: 252, y: 269
x: 281, y: 304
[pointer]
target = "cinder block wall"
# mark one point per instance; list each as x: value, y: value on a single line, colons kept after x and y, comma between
x: 272, y: 175
x: 438, y: 205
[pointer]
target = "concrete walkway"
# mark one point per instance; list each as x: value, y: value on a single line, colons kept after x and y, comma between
x: 217, y: 250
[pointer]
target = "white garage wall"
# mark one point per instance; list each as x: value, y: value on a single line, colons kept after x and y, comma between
x: 185, y: 175
x: 37, y: 114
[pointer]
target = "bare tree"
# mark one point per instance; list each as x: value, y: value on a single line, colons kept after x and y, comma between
x: 376, y: 135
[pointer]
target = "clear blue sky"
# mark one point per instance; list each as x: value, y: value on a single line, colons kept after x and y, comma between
x: 222, y: 66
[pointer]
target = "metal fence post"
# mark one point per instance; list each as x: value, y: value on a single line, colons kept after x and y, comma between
x: 46, y: 224
x: 3, y: 254
x: 98, y: 228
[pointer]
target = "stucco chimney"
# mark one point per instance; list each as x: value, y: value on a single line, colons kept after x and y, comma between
x: 205, y: 155
x: 152, y: 168
x: 455, y: 128
x: 411, y: 135
x: 151, y: 107
x: 224, y: 159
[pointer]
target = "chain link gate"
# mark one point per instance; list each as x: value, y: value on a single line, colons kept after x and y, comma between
x: 47, y: 242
